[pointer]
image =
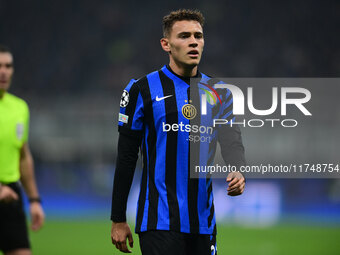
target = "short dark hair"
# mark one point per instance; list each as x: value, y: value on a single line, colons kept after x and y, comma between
x: 181, y: 14
x: 4, y: 49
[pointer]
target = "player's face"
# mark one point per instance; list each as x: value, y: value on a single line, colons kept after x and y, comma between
x: 186, y: 43
x: 6, y: 70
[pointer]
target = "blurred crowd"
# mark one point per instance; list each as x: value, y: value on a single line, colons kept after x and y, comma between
x: 74, y: 57
x: 75, y: 46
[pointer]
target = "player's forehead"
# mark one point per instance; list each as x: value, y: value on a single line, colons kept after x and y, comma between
x: 184, y: 26
x: 6, y: 58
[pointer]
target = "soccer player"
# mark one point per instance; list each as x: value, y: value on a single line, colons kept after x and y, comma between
x: 175, y: 213
x: 16, y: 164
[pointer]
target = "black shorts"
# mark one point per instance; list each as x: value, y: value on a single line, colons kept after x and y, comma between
x: 13, y: 226
x: 158, y: 242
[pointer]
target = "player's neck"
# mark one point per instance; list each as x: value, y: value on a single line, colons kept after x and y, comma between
x: 183, y: 71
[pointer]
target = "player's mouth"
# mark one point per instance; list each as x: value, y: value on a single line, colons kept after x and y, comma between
x: 193, y: 53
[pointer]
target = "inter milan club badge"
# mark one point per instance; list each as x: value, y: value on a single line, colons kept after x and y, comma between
x: 125, y: 99
x: 20, y: 130
x: 189, y: 111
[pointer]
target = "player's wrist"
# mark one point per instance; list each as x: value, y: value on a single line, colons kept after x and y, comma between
x: 118, y: 218
x: 34, y: 200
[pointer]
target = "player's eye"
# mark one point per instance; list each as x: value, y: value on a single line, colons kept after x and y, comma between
x: 9, y: 66
x: 184, y: 36
x: 199, y: 36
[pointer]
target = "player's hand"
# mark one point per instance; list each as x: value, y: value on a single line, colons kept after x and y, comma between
x: 120, y: 231
x: 7, y: 194
x: 37, y: 216
x: 236, y: 184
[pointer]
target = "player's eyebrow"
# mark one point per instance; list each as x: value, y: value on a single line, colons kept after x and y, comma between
x: 184, y: 33
x: 189, y: 33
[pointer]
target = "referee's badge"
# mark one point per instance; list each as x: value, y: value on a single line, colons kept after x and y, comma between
x: 20, y: 130
x: 124, y: 99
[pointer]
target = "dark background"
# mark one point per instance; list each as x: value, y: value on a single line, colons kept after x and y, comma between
x: 73, y: 59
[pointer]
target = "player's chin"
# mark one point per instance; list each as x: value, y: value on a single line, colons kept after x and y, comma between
x: 196, y: 59
x: 193, y: 62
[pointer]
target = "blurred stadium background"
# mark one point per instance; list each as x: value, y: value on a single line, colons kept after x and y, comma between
x: 72, y: 61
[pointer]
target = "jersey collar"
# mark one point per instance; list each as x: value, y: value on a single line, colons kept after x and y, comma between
x: 172, y: 75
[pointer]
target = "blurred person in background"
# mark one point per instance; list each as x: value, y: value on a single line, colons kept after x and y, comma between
x: 175, y: 213
x: 16, y: 165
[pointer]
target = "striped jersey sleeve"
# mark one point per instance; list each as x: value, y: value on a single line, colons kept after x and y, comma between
x: 226, y: 111
x: 229, y: 136
x: 131, y: 113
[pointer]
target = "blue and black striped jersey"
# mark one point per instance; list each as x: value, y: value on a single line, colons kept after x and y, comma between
x: 155, y: 107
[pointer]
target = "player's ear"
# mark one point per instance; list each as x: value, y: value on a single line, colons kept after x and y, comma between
x: 165, y: 44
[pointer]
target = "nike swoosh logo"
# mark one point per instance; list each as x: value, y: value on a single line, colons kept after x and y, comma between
x: 162, y: 98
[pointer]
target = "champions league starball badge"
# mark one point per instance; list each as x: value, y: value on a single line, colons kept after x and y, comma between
x: 124, y: 99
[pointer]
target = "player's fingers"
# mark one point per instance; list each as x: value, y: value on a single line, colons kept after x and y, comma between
x: 237, y: 184
x: 233, y: 184
x: 230, y: 177
x: 240, y: 182
x: 124, y: 248
x: 233, y: 194
x: 118, y: 246
x: 115, y: 243
x: 236, y: 191
x: 130, y: 240
x: 242, y: 187
x: 233, y: 191
x: 113, y: 240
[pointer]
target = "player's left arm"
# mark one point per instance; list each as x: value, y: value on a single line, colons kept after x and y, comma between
x: 28, y: 181
x: 233, y: 153
x: 232, y: 149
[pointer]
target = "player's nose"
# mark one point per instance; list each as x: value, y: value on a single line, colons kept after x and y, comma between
x: 193, y: 42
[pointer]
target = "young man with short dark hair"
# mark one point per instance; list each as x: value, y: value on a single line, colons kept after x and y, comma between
x: 175, y: 214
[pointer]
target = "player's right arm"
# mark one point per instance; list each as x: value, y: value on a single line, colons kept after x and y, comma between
x: 130, y: 137
x: 128, y: 148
